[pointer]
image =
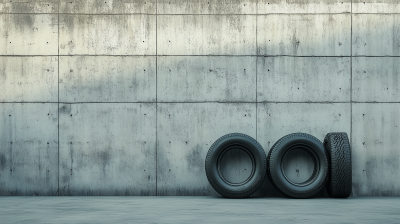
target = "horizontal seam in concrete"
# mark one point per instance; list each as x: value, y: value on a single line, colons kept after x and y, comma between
x: 261, y: 14
x: 183, y: 102
x: 198, y: 55
x: 154, y: 14
x: 87, y: 14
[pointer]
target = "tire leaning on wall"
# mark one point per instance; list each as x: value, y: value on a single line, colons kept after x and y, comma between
x: 340, y: 174
x: 213, y: 160
x: 310, y: 145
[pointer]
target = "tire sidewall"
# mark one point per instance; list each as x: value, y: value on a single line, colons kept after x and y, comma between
x: 257, y: 154
x: 276, y: 173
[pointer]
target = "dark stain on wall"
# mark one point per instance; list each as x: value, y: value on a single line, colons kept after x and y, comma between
x: 3, y: 161
x: 65, y: 109
x: 195, y: 158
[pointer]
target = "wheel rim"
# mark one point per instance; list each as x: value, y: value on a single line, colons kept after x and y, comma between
x: 305, y: 150
x: 220, y: 161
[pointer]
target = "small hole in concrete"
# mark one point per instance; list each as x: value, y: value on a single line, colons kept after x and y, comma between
x: 144, y: 70
x: 340, y: 115
x: 11, y: 142
x: 71, y: 142
x: 48, y: 114
x: 144, y: 142
x: 186, y: 142
x: 47, y: 42
x: 169, y: 169
x: 9, y: 115
x: 144, y: 114
x: 363, y: 114
x: 11, y: 170
x: 71, y: 115
x: 268, y: 69
x: 71, y: 70
x: 245, y: 115
x: 47, y: 143
x: 48, y: 70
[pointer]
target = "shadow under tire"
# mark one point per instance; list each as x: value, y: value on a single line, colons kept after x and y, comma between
x: 340, y: 174
x: 311, y: 146
x: 236, y: 141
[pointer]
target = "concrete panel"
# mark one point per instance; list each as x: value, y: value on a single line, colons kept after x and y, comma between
x: 376, y: 79
x: 28, y: 149
x: 304, y: 35
x: 107, y: 79
x: 28, y: 34
x: 276, y: 120
x: 201, y: 78
x: 299, y: 79
x: 207, y: 7
x: 375, y: 149
x: 108, y: 6
x: 23, y: 6
x: 376, y: 34
x: 29, y: 79
x: 107, y: 149
x: 206, y: 35
x: 304, y: 6
x: 185, y: 133
x: 376, y: 6
x: 107, y: 34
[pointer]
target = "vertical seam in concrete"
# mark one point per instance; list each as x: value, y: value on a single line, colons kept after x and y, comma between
x: 156, y: 99
x: 351, y: 77
x: 256, y: 67
x: 58, y: 103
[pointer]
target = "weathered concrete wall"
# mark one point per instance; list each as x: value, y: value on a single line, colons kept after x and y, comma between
x: 125, y: 97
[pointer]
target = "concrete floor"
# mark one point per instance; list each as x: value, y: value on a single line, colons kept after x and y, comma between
x: 198, y: 210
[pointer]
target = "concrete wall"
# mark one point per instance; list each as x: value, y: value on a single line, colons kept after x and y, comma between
x: 126, y: 97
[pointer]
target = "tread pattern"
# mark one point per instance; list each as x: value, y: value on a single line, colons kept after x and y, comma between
x: 340, y: 173
x: 270, y: 163
x: 257, y: 184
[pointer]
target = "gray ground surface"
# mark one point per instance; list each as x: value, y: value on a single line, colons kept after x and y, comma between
x: 198, y: 210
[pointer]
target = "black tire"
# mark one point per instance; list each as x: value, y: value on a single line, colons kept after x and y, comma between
x: 313, y: 147
x: 253, y: 150
x: 340, y: 174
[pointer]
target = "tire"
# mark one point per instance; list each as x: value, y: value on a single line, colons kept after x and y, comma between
x: 308, y: 145
x: 252, y: 148
x: 340, y: 174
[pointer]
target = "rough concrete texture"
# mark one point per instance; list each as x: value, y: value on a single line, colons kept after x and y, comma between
x: 200, y: 78
x: 375, y: 149
x: 198, y: 69
x: 207, y: 7
x: 28, y: 79
x: 376, y: 79
x: 376, y: 6
x: 206, y: 35
x: 107, y: 34
x: 28, y: 34
x: 304, y: 35
x: 376, y: 35
x: 107, y: 79
x: 303, y: 79
x: 185, y: 133
x: 107, y: 149
x: 23, y: 6
x: 28, y: 149
x: 108, y: 6
x: 198, y: 210
x: 275, y: 120
x: 304, y: 6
